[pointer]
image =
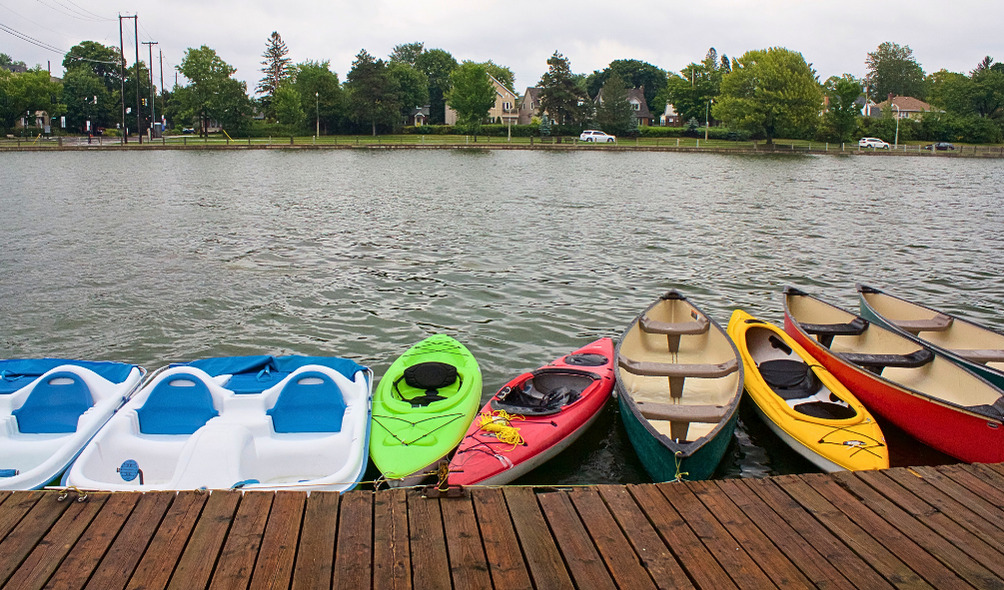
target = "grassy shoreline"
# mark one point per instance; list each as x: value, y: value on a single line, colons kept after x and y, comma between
x: 686, y: 144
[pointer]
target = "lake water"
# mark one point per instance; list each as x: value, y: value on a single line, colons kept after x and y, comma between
x: 162, y: 256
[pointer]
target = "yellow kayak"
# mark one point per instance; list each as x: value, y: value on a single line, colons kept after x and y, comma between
x: 803, y: 403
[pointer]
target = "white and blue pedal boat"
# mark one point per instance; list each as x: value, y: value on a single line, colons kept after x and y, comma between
x: 258, y: 422
x: 50, y: 408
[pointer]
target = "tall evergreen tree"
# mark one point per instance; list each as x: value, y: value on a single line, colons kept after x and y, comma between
x: 277, y: 68
x: 372, y: 92
x: 892, y: 69
x: 615, y: 114
x: 560, y: 96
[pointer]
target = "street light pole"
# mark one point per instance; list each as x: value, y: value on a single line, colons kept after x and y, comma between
x: 317, y: 115
x: 707, y: 111
x: 895, y: 142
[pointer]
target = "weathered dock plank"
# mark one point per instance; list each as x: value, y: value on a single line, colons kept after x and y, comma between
x: 391, y: 541
x: 125, y: 552
x: 162, y: 554
x: 237, y: 559
x: 430, y: 564
x: 316, y: 555
x: 468, y: 559
x: 354, y: 546
x: 87, y: 552
x: 45, y: 557
x: 547, y: 568
x: 506, y: 565
x: 273, y: 569
x: 584, y: 562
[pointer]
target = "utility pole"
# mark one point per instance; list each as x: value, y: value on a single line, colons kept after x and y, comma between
x: 153, y: 109
x: 139, y: 114
x: 125, y: 136
x: 161, y: 52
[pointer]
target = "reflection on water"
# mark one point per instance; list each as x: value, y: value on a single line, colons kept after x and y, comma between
x: 155, y: 257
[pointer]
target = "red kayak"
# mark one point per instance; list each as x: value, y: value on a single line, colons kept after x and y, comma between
x: 535, y: 416
x: 929, y: 397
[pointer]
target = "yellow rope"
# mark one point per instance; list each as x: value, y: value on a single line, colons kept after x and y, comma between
x: 679, y: 474
x: 499, y: 423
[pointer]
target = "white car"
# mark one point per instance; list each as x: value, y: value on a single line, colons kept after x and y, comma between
x: 596, y: 136
x: 872, y: 142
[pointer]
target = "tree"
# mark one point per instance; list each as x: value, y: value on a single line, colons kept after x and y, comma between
x: 768, y: 91
x: 412, y: 87
x: 501, y: 73
x: 437, y: 65
x: 318, y: 86
x: 560, y: 96
x: 691, y: 91
x: 288, y: 106
x: 988, y: 88
x: 471, y: 95
x: 407, y: 53
x: 212, y: 94
x: 277, y: 68
x: 7, y: 62
x: 892, y: 69
x: 636, y: 74
x: 26, y: 92
x: 842, y: 110
x: 88, y: 100
x: 615, y: 114
x: 372, y: 92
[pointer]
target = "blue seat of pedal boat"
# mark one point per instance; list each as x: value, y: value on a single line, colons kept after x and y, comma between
x: 54, y: 405
x: 310, y: 402
x: 180, y: 404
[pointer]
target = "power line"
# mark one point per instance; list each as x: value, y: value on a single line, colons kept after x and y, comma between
x: 68, y: 11
x: 32, y: 40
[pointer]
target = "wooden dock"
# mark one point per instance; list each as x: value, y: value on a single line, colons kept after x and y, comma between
x: 925, y: 527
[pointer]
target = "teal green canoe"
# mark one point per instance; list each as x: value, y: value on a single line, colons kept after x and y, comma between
x: 679, y: 382
x: 422, y: 408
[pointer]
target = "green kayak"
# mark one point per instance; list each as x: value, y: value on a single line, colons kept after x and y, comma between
x: 422, y: 408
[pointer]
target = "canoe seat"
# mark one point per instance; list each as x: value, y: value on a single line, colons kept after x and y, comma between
x: 698, y: 325
x: 982, y: 356
x: 705, y: 371
x: 678, y: 372
x: 54, y: 405
x: 682, y: 412
x: 825, y: 332
x: 790, y: 378
x: 938, y: 323
x: 179, y: 404
x: 309, y: 402
x: 917, y: 358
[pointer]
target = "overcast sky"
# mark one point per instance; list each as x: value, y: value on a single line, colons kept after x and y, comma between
x: 835, y: 37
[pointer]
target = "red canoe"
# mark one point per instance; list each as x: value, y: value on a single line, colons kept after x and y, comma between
x: 926, y: 395
x: 535, y: 417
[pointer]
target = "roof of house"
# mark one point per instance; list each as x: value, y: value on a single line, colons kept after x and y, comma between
x: 906, y: 104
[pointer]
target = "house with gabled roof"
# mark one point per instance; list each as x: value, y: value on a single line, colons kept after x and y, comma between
x: 636, y: 96
x: 504, y: 110
x: 904, y: 107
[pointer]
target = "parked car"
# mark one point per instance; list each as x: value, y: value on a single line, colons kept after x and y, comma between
x: 940, y: 146
x: 872, y: 142
x: 594, y: 136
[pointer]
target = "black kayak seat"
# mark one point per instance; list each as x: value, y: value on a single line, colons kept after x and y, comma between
x: 790, y: 378
x: 546, y: 392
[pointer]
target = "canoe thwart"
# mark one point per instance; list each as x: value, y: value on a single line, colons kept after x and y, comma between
x: 698, y: 326
x: 917, y: 358
x: 704, y: 371
x: 826, y: 332
x: 938, y: 323
x: 982, y: 356
x: 682, y: 412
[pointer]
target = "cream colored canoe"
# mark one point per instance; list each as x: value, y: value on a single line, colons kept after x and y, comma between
x: 679, y: 381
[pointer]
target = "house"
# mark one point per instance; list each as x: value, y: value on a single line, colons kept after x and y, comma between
x: 504, y: 110
x: 669, y: 117
x: 903, y: 107
x: 635, y: 96
x: 418, y: 116
x: 529, y: 106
